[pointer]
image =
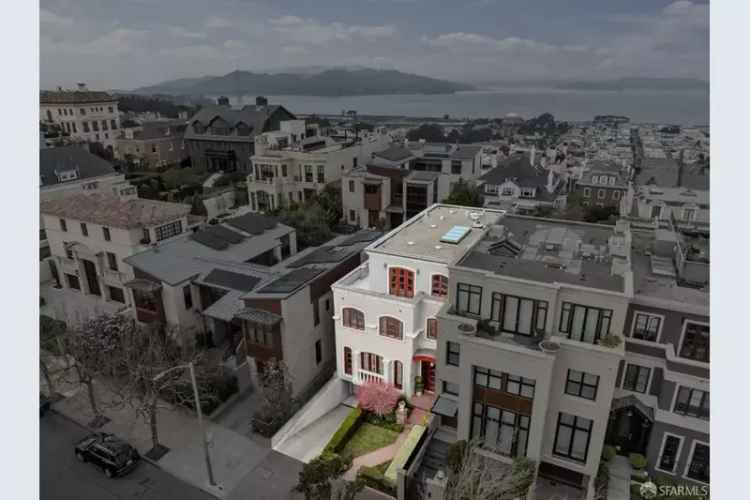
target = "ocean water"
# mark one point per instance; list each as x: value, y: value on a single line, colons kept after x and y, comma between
x: 642, y: 106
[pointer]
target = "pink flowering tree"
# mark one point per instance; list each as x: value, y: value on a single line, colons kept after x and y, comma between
x: 378, y: 397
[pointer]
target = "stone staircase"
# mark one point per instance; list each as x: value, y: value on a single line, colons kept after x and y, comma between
x: 435, y: 459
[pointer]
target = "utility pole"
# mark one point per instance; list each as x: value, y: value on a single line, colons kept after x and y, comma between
x: 210, y: 470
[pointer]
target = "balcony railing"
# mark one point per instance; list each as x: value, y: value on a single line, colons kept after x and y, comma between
x: 363, y: 376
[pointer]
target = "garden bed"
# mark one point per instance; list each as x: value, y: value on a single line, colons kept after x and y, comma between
x: 368, y: 438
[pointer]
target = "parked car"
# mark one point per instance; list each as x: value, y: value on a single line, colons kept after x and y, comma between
x: 108, y: 452
x: 44, y: 405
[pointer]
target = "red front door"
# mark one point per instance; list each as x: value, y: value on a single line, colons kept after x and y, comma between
x: 428, y: 376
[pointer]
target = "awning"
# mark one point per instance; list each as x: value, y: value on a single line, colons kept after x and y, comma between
x: 395, y: 209
x: 445, y: 407
x: 227, y: 307
x: 143, y: 285
x: 634, y: 402
x: 259, y: 316
x: 425, y: 355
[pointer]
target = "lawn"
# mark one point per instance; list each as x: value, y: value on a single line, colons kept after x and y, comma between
x: 369, y: 438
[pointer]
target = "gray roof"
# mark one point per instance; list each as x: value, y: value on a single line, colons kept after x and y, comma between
x: 55, y: 160
x: 159, y: 130
x: 227, y: 307
x: 291, y: 281
x: 519, y: 169
x: 395, y: 153
x: 253, y: 223
x: 255, y: 117
x: 422, y: 176
x: 667, y: 173
x: 74, y: 96
x: 464, y: 152
x: 231, y: 280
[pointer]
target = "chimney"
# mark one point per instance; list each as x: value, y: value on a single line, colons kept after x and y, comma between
x: 82, y: 86
x: 261, y: 101
x: 223, y: 101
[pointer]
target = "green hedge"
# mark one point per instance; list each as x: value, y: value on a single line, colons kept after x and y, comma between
x: 638, y: 461
x: 345, y: 431
x: 374, y: 478
x: 609, y: 453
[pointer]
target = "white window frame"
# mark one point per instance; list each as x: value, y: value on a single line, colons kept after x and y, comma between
x: 661, y: 212
x: 587, y: 192
x: 658, y: 333
x: 601, y: 194
x: 616, y: 194
x: 675, y: 472
x: 647, y: 392
x: 682, y: 338
x: 690, y: 460
x: 691, y: 209
x: 490, y: 188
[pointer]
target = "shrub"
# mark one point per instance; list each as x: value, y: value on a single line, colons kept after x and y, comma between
x: 609, y: 453
x: 610, y: 341
x: 374, y: 478
x: 377, y: 397
x: 455, y: 456
x: 316, y: 476
x: 347, y: 428
x: 220, y: 388
x: 638, y: 461
x: 386, y: 421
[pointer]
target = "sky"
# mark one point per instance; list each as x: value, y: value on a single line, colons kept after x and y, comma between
x: 125, y: 44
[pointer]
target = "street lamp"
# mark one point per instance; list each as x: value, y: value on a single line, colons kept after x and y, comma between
x: 205, y: 439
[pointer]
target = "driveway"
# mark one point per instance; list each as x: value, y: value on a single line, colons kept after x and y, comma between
x: 310, y: 441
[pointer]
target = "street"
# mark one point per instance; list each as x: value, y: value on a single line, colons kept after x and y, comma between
x: 62, y: 477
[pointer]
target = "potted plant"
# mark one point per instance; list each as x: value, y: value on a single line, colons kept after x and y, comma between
x: 467, y: 328
x: 549, y: 347
x: 418, y: 385
x: 611, y: 341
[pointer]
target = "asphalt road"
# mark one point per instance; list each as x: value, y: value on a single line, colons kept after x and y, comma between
x: 62, y: 477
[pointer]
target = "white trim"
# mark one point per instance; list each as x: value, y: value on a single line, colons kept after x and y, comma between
x: 690, y: 459
x: 677, y: 456
x: 658, y: 333
x: 682, y: 338
x: 648, y: 382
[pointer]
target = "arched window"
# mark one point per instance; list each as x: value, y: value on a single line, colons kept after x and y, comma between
x: 348, y: 360
x: 401, y: 282
x: 432, y: 328
x: 354, y: 318
x: 371, y: 362
x: 391, y: 327
x: 398, y: 374
x: 439, y: 285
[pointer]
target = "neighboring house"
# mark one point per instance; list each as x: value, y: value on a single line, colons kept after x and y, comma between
x: 294, y: 163
x: 661, y: 407
x: 519, y: 186
x: 91, y: 235
x: 175, y: 281
x: 223, y: 138
x: 86, y: 115
x: 602, y: 184
x: 401, y: 181
x: 526, y: 280
x: 153, y: 144
x: 386, y: 310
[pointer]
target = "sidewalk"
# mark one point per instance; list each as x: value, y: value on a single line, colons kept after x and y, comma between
x: 233, y: 456
x: 618, y: 487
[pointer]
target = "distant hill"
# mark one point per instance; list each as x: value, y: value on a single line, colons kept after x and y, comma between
x: 637, y: 84
x: 331, y: 82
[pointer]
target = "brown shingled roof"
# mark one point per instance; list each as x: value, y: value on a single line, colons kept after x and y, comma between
x: 74, y: 96
x: 109, y: 210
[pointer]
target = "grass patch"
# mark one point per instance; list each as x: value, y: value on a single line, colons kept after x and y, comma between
x: 369, y: 438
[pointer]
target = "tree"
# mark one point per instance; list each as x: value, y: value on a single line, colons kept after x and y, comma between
x: 430, y: 132
x: 316, y: 480
x: 377, y: 397
x: 466, y: 194
x: 329, y: 200
x: 276, y: 401
x: 311, y: 223
x: 50, y: 341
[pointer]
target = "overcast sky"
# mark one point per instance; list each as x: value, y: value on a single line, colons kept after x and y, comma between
x: 128, y: 43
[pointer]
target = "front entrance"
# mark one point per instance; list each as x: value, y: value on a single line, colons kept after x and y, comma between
x: 373, y: 219
x: 428, y: 375
x: 89, y: 269
x: 629, y: 429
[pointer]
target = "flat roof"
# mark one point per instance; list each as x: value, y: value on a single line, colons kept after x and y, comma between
x: 420, y: 237
x: 550, y: 251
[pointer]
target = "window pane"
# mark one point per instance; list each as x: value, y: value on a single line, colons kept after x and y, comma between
x: 580, y: 442
x: 579, y: 313
x: 510, y: 314
x: 525, y: 317
x: 563, y: 440
x: 592, y: 320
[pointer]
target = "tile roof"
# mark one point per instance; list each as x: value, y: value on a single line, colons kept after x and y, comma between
x: 254, y: 117
x: 75, y: 96
x: 52, y: 160
x: 112, y: 211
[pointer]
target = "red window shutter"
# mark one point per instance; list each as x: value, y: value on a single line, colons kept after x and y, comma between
x: 401, y: 282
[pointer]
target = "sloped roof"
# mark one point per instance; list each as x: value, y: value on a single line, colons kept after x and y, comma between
x: 52, y: 160
x: 518, y: 168
x: 112, y: 211
x: 255, y: 117
x: 74, y: 96
x: 395, y: 153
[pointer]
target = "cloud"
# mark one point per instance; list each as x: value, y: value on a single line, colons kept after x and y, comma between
x: 49, y: 18
x: 215, y: 22
x: 313, y: 32
x: 180, y: 32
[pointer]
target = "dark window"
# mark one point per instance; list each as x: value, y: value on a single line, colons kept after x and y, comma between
x: 63, y: 225
x: 692, y: 403
x: 351, y: 186
x: 518, y: 315
x: 73, y: 281
x: 95, y: 125
x: 168, y: 230
x: 68, y: 251
x: 116, y: 294
x: 453, y: 351
x: 572, y: 437
x: 316, y: 312
x: 328, y: 304
x: 146, y: 236
x: 348, y: 360
x: 260, y: 334
x: 469, y: 299
x: 352, y: 215
x: 668, y: 459
x: 503, y: 431
x: 113, y: 124
x: 84, y: 229
x: 455, y: 167
x: 308, y: 173
x: 104, y: 125
x: 83, y: 111
x: 695, y: 344
x: 401, y: 282
x: 110, y: 109
x: 105, y: 233
x: 699, y: 464
x: 318, y: 352
x: 439, y: 285
x: 283, y: 171
x: 432, y: 328
x: 636, y: 378
x: 505, y: 382
x: 391, y: 327
x: 646, y: 326
x: 85, y: 126
x: 187, y: 296
x: 353, y: 318
x: 587, y: 324
x: 450, y: 388
x: 581, y: 384
x: 398, y: 374
x: 112, y: 261
x: 371, y: 362
x: 321, y: 174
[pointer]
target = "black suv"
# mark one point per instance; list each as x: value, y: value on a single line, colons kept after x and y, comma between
x: 113, y: 455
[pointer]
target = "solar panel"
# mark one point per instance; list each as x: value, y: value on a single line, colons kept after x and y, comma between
x: 292, y: 280
x: 323, y: 255
x: 455, y: 235
x: 361, y: 237
x: 223, y: 233
x: 228, y: 279
x: 206, y: 239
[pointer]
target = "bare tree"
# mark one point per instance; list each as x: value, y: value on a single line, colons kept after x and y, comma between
x: 51, y: 333
x: 276, y: 401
